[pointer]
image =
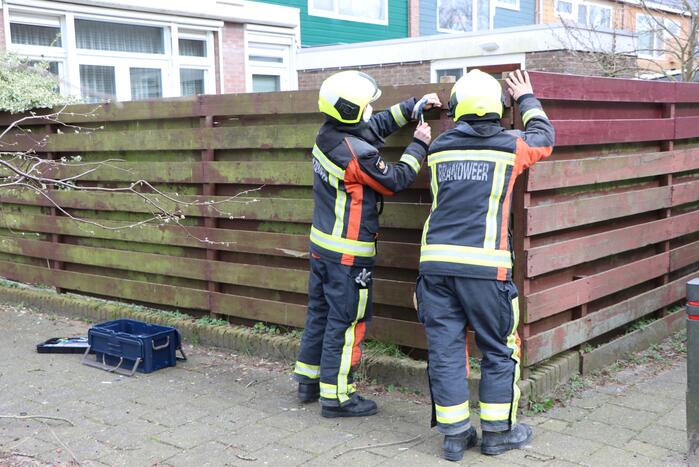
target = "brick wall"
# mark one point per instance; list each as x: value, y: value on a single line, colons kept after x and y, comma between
x: 233, y: 58
x: 578, y: 63
x: 386, y: 75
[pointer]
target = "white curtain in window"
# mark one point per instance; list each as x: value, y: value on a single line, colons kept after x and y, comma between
x: 266, y: 83
x: 191, y: 82
x: 31, y: 34
x: 146, y: 83
x: 98, y: 35
x: 192, y: 48
x: 327, y: 5
x: 371, y: 9
x: 97, y: 83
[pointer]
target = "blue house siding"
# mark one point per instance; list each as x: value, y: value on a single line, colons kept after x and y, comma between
x: 504, y: 18
x: 318, y: 30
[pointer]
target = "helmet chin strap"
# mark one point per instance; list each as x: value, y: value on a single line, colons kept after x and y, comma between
x: 368, y: 111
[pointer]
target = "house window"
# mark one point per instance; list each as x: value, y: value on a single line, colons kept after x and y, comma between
x: 365, y: 11
x: 266, y: 83
x: 99, y: 35
x: 456, y: 73
x: 32, y: 34
x: 508, y: 4
x: 592, y: 15
x: 97, y: 83
x: 192, y: 82
x: 146, y: 83
x: 463, y: 15
x: 650, y: 37
x: 192, y: 47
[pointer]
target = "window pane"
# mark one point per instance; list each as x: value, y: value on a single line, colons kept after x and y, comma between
x: 191, y: 82
x: 370, y: 9
x: 483, y: 15
x: 262, y: 58
x: 328, y: 5
x: 456, y: 73
x: 30, y: 34
x: 192, y: 48
x: 582, y: 14
x: 455, y: 15
x: 97, y: 83
x: 97, y: 35
x: 565, y: 7
x: 146, y: 83
x: 266, y: 83
x: 645, y: 34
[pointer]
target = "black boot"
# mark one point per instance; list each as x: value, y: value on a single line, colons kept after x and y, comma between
x: 497, y: 442
x: 454, y: 445
x: 309, y: 392
x: 356, y: 407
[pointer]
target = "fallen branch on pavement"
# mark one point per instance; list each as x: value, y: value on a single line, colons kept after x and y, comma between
x: 38, y: 417
x: 382, y: 445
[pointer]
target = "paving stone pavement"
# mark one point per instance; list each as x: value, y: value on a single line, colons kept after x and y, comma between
x: 217, y: 409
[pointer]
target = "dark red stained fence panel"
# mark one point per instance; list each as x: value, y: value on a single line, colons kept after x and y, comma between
x: 601, y: 227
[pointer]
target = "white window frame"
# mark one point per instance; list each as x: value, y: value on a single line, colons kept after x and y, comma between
x: 573, y: 15
x: 507, y: 6
x: 286, y: 70
x: 70, y: 57
x: 313, y: 11
x: 474, y: 19
x: 653, y: 55
x: 475, y: 62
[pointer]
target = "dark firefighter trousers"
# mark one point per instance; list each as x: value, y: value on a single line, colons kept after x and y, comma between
x: 339, y: 309
x: 446, y: 306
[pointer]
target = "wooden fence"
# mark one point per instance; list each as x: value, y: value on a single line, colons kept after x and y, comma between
x: 606, y: 230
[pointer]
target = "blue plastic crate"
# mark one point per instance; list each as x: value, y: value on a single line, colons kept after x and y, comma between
x: 125, y: 346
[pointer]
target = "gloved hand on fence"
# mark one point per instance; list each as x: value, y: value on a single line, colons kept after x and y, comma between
x: 427, y: 102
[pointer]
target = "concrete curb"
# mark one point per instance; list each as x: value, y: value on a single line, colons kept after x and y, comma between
x: 402, y: 372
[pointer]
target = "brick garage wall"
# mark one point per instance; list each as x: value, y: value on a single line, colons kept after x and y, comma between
x: 395, y: 74
x: 233, y: 48
x: 576, y: 63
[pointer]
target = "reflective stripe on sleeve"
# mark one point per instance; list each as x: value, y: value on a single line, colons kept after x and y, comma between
x: 411, y: 161
x: 531, y: 113
x: 398, y: 115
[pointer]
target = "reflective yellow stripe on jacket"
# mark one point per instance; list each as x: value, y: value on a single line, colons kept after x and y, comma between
x: 466, y: 255
x: 342, y: 245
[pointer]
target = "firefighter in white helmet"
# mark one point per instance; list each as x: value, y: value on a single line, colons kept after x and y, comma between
x: 350, y: 180
x: 466, y: 260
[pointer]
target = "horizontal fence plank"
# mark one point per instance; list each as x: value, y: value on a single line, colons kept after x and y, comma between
x: 684, y: 193
x: 246, y: 104
x: 247, y: 172
x: 395, y: 215
x: 391, y: 330
x: 590, y: 132
x: 560, y: 255
x: 388, y: 292
x: 551, y: 301
x: 547, y: 175
x: 686, y: 127
x: 390, y: 254
x: 684, y: 256
x: 568, y: 335
x: 564, y: 87
x: 567, y: 214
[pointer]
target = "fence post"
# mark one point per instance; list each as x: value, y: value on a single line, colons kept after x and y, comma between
x: 693, y: 371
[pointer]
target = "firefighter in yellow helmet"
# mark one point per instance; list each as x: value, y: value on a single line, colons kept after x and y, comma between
x: 350, y: 180
x: 466, y: 261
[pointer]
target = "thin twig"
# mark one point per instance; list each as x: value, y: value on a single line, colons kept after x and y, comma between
x: 382, y: 445
x: 38, y: 417
x: 65, y: 446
